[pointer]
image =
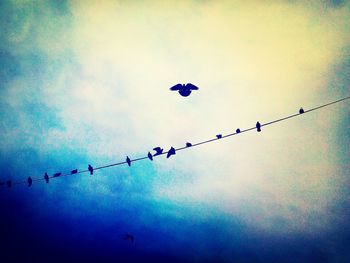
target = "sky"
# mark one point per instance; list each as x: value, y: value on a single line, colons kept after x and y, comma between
x: 87, y: 82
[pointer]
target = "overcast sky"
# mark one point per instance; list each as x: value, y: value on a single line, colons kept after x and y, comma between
x: 87, y: 82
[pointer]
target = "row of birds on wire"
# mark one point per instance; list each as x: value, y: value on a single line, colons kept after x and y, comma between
x: 160, y: 151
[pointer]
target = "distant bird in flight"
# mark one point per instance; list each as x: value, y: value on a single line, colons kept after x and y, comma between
x: 184, y: 89
x: 129, y: 237
x: 158, y: 151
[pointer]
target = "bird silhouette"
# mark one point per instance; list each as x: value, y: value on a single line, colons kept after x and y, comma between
x: 301, y: 111
x: 238, y: 131
x: 75, y: 171
x: 57, y: 174
x: 46, y: 177
x: 128, y: 160
x: 188, y: 144
x: 129, y: 237
x: 91, y: 169
x: 171, y: 152
x: 158, y: 151
x: 184, y: 89
x: 30, y: 181
x: 149, y: 155
x: 258, y: 126
x: 219, y: 136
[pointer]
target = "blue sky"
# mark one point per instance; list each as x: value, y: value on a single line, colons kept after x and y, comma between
x: 88, y: 83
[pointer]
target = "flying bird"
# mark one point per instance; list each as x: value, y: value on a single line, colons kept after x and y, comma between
x: 129, y: 237
x: 184, y: 89
x: 258, y: 126
x: 128, y: 160
x: 91, y: 169
x: 46, y: 177
x: 30, y: 181
x: 158, y: 151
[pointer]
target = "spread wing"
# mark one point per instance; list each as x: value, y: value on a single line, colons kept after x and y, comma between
x: 191, y: 86
x: 176, y: 87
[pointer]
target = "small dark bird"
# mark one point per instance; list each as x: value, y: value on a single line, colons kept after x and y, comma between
x: 91, y: 169
x: 57, y: 174
x: 74, y: 171
x: 219, y: 136
x: 171, y: 152
x: 30, y: 181
x: 128, y: 160
x: 184, y: 89
x: 9, y: 183
x: 149, y: 155
x: 158, y: 151
x: 188, y: 144
x: 129, y: 237
x: 46, y: 177
x: 258, y: 126
x: 238, y: 131
x: 301, y: 111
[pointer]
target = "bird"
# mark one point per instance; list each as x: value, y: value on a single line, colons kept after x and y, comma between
x: 149, y: 155
x: 57, y: 174
x: 301, y: 111
x: 184, y: 89
x: 188, y: 144
x: 74, y: 171
x: 129, y: 237
x: 30, y: 181
x: 158, y: 151
x: 128, y: 160
x: 238, y: 131
x: 171, y: 152
x: 219, y: 136
x: 46, y: 177
x: 91, y: 169
x: 258, y: 126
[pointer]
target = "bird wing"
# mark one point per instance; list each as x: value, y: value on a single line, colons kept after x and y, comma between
x: 176, y: 87
x: 191, y: 86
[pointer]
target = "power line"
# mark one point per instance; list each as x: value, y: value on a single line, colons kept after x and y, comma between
x: 219, y: 137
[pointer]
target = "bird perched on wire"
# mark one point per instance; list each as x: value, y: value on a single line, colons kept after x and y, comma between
x: 171, y: 152
x: 91, y: 169
x: 258, y: 126
x: 128, y: 160
x: 158, y: 151
x: 46, y: 177
x: 184, y: 89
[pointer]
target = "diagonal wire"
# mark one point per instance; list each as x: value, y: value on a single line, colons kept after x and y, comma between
x: 195, y: 144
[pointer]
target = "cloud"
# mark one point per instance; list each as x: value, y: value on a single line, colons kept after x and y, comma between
x: 108, y: 69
